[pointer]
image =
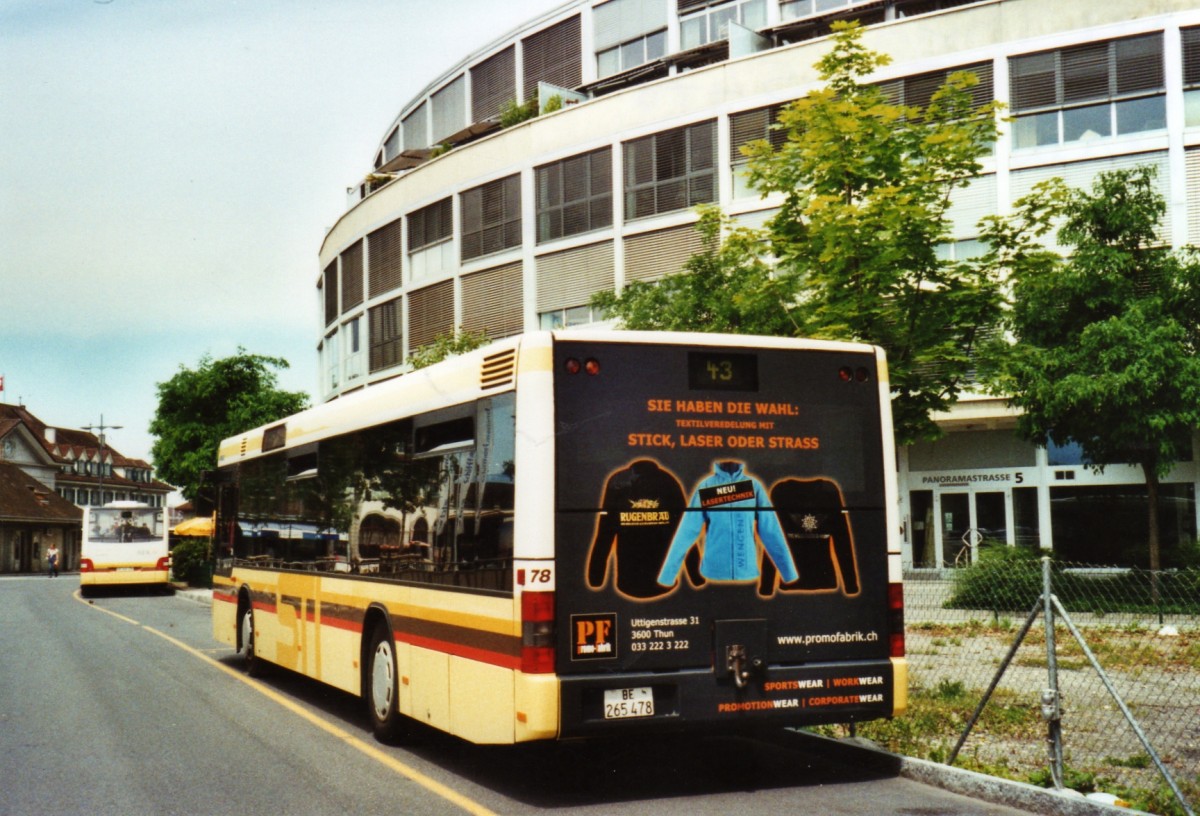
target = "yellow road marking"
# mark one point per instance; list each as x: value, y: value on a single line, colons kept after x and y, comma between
x: 424, y: 780
x: 79, y: 598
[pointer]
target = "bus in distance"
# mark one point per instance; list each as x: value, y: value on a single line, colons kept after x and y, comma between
x: 567, y: 534
x: 124, y: 543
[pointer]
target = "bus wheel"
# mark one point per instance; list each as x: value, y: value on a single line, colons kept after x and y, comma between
x: 252, y: 664
x: 382, y: 688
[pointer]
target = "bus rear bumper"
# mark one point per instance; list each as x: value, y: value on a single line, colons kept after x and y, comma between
x: 812, y: 694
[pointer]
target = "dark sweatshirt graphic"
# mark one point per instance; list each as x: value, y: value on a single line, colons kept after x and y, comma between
x: 642, y: 506
x: 819, y: 537
x: 729, y: 507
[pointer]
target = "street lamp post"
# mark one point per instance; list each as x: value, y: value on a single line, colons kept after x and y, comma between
x: 101, y: 428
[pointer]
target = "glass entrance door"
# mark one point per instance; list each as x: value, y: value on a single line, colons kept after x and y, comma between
x: 969, y: 520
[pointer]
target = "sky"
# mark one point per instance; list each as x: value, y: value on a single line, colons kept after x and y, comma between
x: 168, y: 169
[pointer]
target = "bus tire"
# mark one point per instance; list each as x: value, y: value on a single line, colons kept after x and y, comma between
x: 252, y: 664
x: 383, y: 688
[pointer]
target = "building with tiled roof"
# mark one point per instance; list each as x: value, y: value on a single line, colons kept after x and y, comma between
x: 63, y: 470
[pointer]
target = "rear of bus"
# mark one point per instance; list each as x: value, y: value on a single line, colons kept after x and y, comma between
x: 124, y: 543
x: 726, y: 551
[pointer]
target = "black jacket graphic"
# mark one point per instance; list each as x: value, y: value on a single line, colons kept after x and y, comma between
x: 818, y: 533
x: 642, y: 506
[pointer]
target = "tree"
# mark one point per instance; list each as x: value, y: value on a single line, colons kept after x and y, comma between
x: 446, y: 345
x: 866, y: 188
x: 198, y: 408
x: 726, y: 287
x: 1107, y: 341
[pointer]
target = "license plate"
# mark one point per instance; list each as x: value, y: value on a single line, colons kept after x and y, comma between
x: 124, y: 569
x: 623, y: 703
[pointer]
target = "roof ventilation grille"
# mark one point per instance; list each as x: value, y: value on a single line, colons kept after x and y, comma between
x: 499, y: 369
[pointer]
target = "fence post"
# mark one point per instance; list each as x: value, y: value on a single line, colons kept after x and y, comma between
x: 1051, y: 709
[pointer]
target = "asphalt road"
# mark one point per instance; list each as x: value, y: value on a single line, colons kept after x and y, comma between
x: 125, y: 705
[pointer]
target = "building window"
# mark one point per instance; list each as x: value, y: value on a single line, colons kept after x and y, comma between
x: 746, y: 127
x: 385, y: 251
x: 569, y: 317
x: 491, y: 217
x: 352, y: 275
x: 431, y: 252
x: 631, y: 54
x: 553, y: 55
x: 671, y: 171
x: 1191, y: 76
x: 1088, y: 92
x: 330, y: 284
x: 712, y: 24
x: 352, y: 349
x: 387, y: 347
x: 629, y: 33
x: 574, y: 195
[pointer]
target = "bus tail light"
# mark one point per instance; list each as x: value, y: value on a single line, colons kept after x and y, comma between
x: 163, y: 564
x: 537, y: 632
x: 896, y: 620
x: 86, y: 565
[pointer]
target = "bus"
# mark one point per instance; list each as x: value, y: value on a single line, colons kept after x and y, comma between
x: 583, y: 533
x: 124, y: 543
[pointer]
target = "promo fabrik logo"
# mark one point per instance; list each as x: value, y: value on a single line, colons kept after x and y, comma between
x: 594, y: 636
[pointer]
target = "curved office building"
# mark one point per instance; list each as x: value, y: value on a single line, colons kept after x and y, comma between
x: 462, y: 222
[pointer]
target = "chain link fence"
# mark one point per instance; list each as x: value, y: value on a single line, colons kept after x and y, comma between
x: 1142, y: 627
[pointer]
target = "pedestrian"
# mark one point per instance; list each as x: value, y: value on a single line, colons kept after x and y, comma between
x: 52, y: 560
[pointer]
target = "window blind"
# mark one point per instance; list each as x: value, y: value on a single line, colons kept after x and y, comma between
x: 1087, y: 73
x: 430, y: 314
x: 492, y: 301
x: 330, y: 285
x: 416, y: 128
x: 384, y: 255
x: 569, y: 278
x: 352, y: 275
x: 430, y: 224
x: 491, y: 217
x: 493, y: 84
x: 449, y: 109
x: 652, y: 255
x: 619, y: 21
x: 387, y: 349
x: 553, y: 55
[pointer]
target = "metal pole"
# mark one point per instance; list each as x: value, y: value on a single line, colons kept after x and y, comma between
x: 1051, y: 710
x: 987, y: 695
x: 1137, y: 729
x: 102, y: 428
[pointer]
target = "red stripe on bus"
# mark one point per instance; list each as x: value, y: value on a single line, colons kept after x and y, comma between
x: 504, y: 661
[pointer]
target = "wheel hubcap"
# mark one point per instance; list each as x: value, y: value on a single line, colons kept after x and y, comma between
x: 383, y: 681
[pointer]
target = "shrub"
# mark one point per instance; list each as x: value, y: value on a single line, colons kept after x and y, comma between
x: 1007, y: 579
x: 190, y: 562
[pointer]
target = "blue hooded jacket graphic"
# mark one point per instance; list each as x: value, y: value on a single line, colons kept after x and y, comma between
x: 729, y: 507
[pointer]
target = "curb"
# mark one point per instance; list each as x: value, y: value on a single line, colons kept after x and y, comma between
x: 194, y: 594
x: 981, y: 787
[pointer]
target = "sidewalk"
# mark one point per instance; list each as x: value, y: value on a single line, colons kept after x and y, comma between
x: 196, y: 594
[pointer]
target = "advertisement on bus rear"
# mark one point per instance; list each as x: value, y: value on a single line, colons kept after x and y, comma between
x: 716, y: 500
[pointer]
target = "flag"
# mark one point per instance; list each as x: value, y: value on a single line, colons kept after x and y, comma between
x: 1, y: 382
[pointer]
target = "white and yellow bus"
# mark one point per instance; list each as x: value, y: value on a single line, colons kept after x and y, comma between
x: 124, y: 543
x: 583, y: 533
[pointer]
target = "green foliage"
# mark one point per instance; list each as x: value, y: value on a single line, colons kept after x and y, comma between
x: 867, y: 187
x: 727, y: 287
x: 851, y: 255
x: 514, y: 114
x: 554, y: 103
x: 446, y: 345
x: 1107, y: 350
x: 1003, y: 579
x: 190, y: 562
x: 197, y: 408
